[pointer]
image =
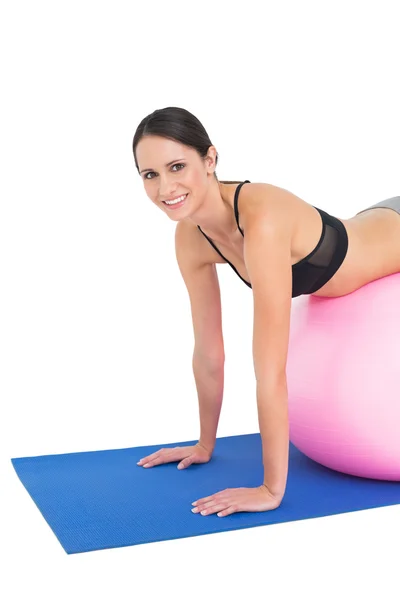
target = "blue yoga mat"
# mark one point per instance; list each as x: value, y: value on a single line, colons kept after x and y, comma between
x: 103, y: 499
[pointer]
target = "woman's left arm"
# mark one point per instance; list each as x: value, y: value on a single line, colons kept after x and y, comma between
x: 267, y: 255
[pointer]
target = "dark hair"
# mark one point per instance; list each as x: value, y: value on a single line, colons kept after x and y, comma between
x: 176, y: 124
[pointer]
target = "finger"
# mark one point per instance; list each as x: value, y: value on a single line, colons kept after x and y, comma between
x: 186, y: 462
x: 204, y: 500
x: 207, y: 505
x: 227, y: 511
x: 216, y: 507
x: 157, y: 461
x: 217, y: 496
x: 149, y: 457
x: 165, y: 454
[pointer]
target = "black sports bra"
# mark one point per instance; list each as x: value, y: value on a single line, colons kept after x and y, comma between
x: 314, y: 270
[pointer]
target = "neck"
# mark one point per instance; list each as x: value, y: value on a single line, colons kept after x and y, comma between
x: 215, y: 215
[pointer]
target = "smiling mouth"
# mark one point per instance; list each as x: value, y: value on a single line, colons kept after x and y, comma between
x: 177, y: 204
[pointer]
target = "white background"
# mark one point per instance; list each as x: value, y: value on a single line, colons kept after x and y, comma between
x: 96, y: 337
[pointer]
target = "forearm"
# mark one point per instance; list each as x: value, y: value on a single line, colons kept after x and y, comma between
x: 210, y: 390
x: 272, y: 404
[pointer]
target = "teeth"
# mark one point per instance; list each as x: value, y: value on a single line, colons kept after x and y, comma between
x: 176, y: 200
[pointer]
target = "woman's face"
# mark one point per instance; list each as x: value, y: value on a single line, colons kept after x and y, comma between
x: 170, y: 169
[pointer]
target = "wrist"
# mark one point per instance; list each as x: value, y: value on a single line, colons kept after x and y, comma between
x: 206, y: 446
x: 277, y: 491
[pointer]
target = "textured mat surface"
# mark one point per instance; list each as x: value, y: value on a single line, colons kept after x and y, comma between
x: 103, y: 499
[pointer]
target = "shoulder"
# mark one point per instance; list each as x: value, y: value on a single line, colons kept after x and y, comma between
x: 186, y: 234
x: 190, y: 245
x: 269, y: 205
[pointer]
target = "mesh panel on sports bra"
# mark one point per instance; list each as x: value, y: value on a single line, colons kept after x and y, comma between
x: 324, y: 252
x: 307, y: 273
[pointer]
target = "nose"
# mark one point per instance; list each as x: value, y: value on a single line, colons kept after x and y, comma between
x: 165, y: 190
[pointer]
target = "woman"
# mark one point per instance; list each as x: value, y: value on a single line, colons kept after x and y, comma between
x: 281, y: 247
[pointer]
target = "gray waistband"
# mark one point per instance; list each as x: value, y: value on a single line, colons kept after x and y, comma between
x: 393, y: 203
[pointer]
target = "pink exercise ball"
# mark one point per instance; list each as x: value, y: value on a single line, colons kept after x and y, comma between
x: 343, y: 376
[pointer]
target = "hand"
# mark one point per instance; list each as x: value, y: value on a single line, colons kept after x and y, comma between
x: 233, y: 500
x: 187, y: 455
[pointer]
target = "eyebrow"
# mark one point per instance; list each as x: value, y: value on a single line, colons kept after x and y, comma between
x: 167, y: 165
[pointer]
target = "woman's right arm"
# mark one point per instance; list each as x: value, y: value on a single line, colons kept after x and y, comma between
x: 210, y: 391
x: 201, y: 280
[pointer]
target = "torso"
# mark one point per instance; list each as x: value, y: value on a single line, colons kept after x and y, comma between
x: 373, y: 250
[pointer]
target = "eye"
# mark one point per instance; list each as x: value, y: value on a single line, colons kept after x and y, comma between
x: 175, y: 165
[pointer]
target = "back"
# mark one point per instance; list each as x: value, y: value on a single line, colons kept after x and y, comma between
x: 201, y: 280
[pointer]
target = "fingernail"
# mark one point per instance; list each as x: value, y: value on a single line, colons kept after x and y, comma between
x: 195, y: 510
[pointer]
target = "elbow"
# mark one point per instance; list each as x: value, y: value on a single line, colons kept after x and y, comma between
x: 272, y: 381
x: 273, y: 395
x: 213, y: 363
